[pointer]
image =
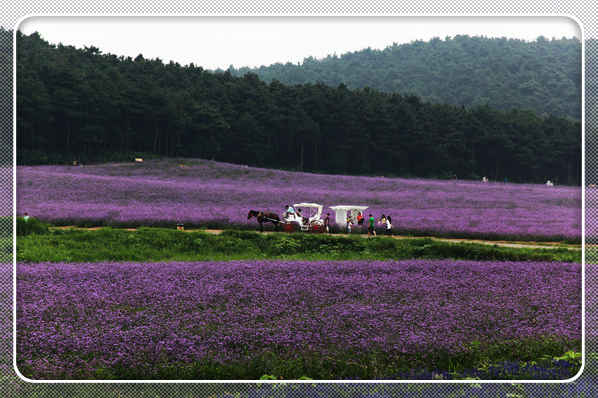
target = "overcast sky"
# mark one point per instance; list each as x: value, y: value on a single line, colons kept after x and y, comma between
x: 244, y: 41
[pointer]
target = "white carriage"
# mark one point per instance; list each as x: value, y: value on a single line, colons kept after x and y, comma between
x: 307, y: 218
x: 343, y: 211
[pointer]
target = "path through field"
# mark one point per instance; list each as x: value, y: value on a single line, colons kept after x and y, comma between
x: 502, y: 243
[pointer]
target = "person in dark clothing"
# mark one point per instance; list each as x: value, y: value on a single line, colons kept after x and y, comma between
x: 327, y: 223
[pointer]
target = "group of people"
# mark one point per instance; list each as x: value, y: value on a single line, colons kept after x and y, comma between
x: 383, y: 220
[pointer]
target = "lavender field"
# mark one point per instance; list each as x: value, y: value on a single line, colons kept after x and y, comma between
x: 112, y: 319
x: 207, y: 193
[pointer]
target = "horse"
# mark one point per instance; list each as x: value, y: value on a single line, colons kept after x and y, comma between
x: 263, y: 217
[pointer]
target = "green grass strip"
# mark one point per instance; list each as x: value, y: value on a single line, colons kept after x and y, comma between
x: 157, y: 244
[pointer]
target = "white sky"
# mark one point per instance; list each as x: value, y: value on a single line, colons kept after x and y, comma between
x: 217, y: 42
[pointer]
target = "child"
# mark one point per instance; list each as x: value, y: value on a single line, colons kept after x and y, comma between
x: 349, y: 224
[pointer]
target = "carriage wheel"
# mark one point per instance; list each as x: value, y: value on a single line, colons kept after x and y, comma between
x: 316, y: 228
x: 291, y: 227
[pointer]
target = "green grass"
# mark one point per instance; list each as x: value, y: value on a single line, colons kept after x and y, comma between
x: 225, y: 224
x: 156, y: 244
x: 31, y: 226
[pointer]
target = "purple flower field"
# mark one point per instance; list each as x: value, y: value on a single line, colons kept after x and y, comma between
x: 73, y: 320
x: 210, y: 193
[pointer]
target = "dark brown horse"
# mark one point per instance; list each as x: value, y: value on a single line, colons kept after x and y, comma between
x: 263, y: 217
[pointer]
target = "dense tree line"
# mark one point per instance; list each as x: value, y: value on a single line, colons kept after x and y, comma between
x: 86, y: 105
x: 6, y: 96
x: 591, y: 110
x: 543, y: 76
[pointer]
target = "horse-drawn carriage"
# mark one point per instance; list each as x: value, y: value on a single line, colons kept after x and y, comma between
x: 308, y: 221
x: 295, y: 220
x: 306, y: 217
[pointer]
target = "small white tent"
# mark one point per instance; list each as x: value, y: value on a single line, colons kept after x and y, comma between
x: 341, y: 212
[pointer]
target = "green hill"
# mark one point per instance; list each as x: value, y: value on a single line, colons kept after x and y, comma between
x: 543, y: 76
x: 81, y: 104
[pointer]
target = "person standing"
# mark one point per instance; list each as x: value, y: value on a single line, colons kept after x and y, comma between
x: 349, y: 223
x: 359, y: 218
x: 372, y: 226
x: 327, y: 223
x: 388, y: 226
x: 382, y: 220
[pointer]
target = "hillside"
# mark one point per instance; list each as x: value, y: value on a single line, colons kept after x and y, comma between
x: 81, y: 104
x: 543, y: 76
x: 213, y: 194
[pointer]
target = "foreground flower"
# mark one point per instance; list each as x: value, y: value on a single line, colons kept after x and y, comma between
x: 73, y: 319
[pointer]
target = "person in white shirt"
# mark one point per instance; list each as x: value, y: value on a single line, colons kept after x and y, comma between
x: 349, y: 223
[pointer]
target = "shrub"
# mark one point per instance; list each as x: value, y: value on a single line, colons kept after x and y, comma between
x: 31, y: 226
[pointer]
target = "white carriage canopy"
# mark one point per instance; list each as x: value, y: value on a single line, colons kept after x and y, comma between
x: 342, y: 210
x: 314, y: 211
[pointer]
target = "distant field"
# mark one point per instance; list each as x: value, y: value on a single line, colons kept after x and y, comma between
x: 242, y: 305
x: 324, y: 320
x: 206, y: 193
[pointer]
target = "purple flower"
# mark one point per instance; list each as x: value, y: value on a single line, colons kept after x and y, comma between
x: 207, y: 192
x: 74, y: 318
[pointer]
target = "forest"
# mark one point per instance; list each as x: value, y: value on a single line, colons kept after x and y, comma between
x: 82, y: 104
x: 6, y: 94
x: 542, y: 75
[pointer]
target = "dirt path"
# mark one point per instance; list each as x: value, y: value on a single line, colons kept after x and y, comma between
x: 502, y: 243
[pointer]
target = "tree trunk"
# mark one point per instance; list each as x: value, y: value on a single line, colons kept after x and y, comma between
x: 125, y: 142
x: 68, y: 137
x: 302, y: 151
x: 156, y: 135
x: 496, y: 170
